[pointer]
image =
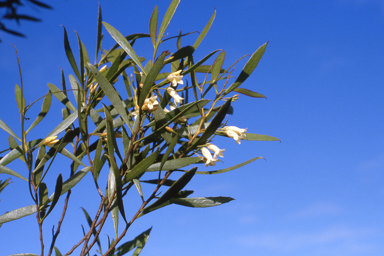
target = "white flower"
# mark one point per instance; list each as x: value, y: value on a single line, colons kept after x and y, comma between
x: 50, y: 140
x: 234, y: 132
x: 175, y: 78
x: 174, y: 95
x: 208, y: 157
x: 151, y: 102
x: 136, y: 112
x: 214, y: 148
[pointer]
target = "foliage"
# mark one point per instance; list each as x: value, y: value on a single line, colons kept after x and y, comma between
x: 153, y: 132
x: 11, y: 8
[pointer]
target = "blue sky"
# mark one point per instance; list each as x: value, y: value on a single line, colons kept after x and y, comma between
x: 321, y: 190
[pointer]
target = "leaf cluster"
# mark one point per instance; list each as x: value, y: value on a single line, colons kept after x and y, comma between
x: 166, y: 124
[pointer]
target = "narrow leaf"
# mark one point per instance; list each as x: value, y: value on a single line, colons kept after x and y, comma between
x: 99, y: 35
x: 8, y: 171
x: 216, y: 68
x: 213, y: 126
x: 182, y: 53
x: 18, y: 213
x: 111, y: 140
x: 205, y: 30
x: 57, y: 252
x: 57, y: 194
x: 259, y: 137
x: 137, y: 241
x: 166, y: 20
x: 69, y: 54
x: 172, y: 191
x: 230, y: 168
x: 141, y: 167
x: 248, y: 68
x: 19, y: 99
x: 120, y: 39
x: 111, y: 93
x: 153, y: 25
x: 150, y: 78
x: 249, y: 93
x: 7, y: 129
x: 64, y: 124
x: 61, y: 96
x: 44, y: 110
x: 201, y: 201
x: 174, y: 164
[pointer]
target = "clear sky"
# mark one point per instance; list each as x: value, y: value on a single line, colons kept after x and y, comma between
x: 321, y: 190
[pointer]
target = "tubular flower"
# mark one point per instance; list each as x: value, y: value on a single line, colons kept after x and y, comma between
x: 50, y: 140
x: 150, y: 104
x: 214, y: 148
x: 175, y: 78
x: 208, y: 157
x: 174, y: 95
x: 234, y: 132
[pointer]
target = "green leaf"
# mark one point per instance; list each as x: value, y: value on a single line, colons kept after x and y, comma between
x: 43, y: 198
x: 69, y: 54
x: 182, y: 53
x: 72, y: 181
x: 166, y: 20
x: 153, y: 25
x: 230, y: 168
x: 201, y: 201
x: 111, y: 93
x: 248, y: 68
x: 57, y: 252
x: 115, y: 209
x: 172, y: 191
x: 174, y: 164
x: 249, y: 93
x: 89, y: 221
x: 44, y: 110
x: 111, y: 140
x: 143, y: 241
x: 170, y: 148
x: 8, y: 171
x: 205, y: 30
x: 217, y: 66
x: 56, y: 195
x: 120, y: 39
x: 99, y: 34
x: 259, y: 137
x: 82, y: 56
x: 17, y: 152
x: 61, y: 96
x: 19, y: 99
x: 98, y: 163
x: 77, y: 93
x: 31, y: 209
x: 12, y: 142
x: 211, y: 129
x: 8, y: 130
x: 64, y: 124
x: 150, y: 78
x: 138, y: 241
x: 17, y: 214
x: 4, y: 184
x: 141, y: 167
